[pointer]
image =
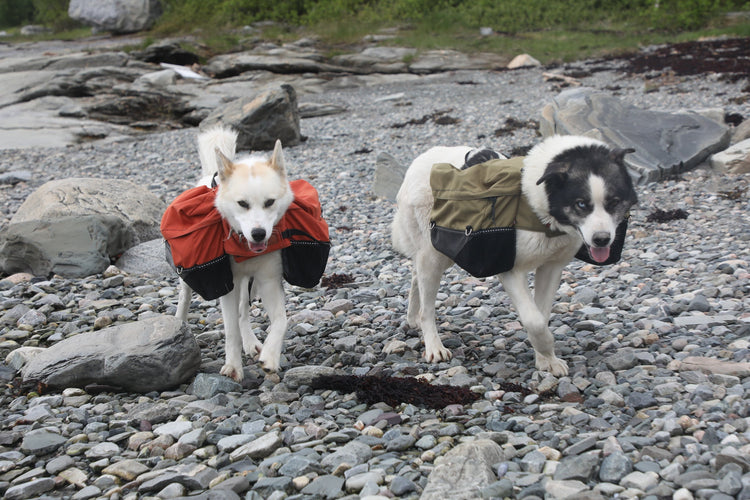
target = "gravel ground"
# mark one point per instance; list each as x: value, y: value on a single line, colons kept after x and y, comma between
x: 626, y: 422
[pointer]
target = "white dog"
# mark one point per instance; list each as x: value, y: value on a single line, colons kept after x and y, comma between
x: 574, y: 185
x: 253, y: 195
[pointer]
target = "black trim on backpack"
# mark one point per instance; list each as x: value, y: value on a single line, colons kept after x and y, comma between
x: 481, y: 253
x: 210, y: 280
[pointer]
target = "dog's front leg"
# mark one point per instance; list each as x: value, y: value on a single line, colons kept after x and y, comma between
x: 413, y: 312
x: 250, y: 343
x: 183, y: 303
x: 535, y: 322
x: 429, y: 268
x: 546, y: 283
x: 233, y: 341
x: 271, y: 293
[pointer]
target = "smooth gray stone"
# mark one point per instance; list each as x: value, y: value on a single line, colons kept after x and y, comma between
x: 389, y: 174
x: 72, y: 246
x: 327, y: 486
x: 41, y: 442
x: 152, y: 354
x: 666, y: 143
x: 261, y: 119
x: 464, y: 471
x: 146, y: 259
x: 135, y: 205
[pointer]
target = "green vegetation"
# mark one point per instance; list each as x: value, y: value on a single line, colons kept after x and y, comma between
x: 548, y: 29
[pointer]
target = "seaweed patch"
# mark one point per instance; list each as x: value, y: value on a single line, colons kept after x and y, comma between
x: 659, y: 215
x: 393, y: 391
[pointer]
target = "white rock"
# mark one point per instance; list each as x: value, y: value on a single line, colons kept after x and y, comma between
x: 523, y: 60
x: 734, y: 160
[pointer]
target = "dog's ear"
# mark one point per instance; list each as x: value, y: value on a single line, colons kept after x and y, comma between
x: 277, y: 159
x: 226, y: 167
x: 618, y: 154
x: 556, y: 173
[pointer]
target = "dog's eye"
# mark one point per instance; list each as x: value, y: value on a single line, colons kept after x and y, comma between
x: 243, y: 204
x: 612, y: 203
x: 582, y: 205
x: 269, y: 202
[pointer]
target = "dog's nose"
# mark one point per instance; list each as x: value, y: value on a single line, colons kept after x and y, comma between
x: 600, y: 239
x: 258, y: 234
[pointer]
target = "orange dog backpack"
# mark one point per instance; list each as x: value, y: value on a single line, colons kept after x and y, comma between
x: 199, y: 242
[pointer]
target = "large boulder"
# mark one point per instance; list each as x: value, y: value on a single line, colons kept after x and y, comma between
x: 260, y: 120
x: 153, y: 354
x: 72, y: 246
x: 76, y: 227
x: 118, y: 16
x: 135, y: 205
x: 666, y: 143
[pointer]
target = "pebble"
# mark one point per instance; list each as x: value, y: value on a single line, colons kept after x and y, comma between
x: 627, y: 421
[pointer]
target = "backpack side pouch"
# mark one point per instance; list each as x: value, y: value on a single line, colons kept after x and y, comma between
x: 210, y: 280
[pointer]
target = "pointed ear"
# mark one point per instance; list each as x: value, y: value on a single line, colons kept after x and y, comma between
x: 556, y: 173
x: 277, y: 159
x: 618, y: 154
x: 226, y: 167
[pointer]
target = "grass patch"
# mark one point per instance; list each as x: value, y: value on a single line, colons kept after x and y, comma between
x: 550, y: 30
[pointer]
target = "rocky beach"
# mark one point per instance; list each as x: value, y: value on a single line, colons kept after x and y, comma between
x: 656, y: 404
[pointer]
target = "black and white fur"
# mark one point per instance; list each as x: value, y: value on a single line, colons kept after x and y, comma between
x: 576, y: 185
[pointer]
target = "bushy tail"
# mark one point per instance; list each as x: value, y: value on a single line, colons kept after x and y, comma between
x: 222, y: 138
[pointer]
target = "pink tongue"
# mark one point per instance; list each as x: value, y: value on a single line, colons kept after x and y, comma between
x: 599, y: 254
x: 258, y: 247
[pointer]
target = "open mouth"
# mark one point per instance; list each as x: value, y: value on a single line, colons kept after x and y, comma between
x: 599, y: 254
x: 257, y: 247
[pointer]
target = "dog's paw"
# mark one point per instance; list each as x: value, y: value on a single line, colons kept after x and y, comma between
x: 233, y: 372
x: 412, y: 322
x: 437, y: 355
x: 269, y: 365
x: 552, y: 364
x: 252, y: 347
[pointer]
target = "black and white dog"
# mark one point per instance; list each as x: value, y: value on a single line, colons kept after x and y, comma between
x: 575, y: 185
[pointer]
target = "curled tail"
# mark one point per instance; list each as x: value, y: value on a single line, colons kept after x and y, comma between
x: 222, y: 138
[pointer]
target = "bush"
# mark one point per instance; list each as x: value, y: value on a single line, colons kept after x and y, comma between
x: 16, y: 13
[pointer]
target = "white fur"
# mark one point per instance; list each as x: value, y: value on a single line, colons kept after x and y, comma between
x: 534, y: 251
x: 599, y: 223
x: 253, y: 180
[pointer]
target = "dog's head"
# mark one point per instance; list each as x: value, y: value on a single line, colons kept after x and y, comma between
x: 588, y: 187
x: 253, y: 195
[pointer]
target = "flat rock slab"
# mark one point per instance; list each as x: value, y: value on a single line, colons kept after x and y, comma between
x: 666, y: 143
x: 152, y: 354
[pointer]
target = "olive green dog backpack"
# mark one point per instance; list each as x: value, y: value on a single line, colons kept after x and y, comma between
x: 476, y: 213
x: 477, y: 210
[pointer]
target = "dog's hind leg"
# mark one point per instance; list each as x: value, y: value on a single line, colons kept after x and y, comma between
x: 233, y: 340
x: 535, y: 322
x: 250, y: 343
x: 271, y: 292
x: 183, y: 303
x: 429, y: 266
